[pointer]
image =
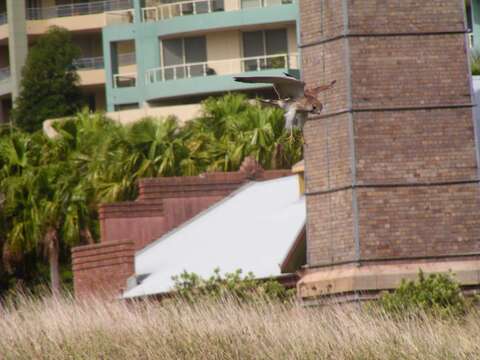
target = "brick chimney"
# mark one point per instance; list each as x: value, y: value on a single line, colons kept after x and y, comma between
x: 391, y: 165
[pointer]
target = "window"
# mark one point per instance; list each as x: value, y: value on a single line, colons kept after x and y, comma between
x: 263, y: 3
x: 184, y: 51
x: 263, y: 46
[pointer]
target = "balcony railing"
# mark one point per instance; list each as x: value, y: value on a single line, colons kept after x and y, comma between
x: 89, y: 63
x: 86, y: 8
x: 194, y: 7
x: 3, y: 19
x: 4, y: 74
x: 120, y: 17
x: 95, y: 63
x: 222, y: 67
x: 124, y: 80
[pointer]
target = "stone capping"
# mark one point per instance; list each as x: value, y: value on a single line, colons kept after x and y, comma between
x: 131, y: 209
x: 102, y: 255
x: 340, y: 280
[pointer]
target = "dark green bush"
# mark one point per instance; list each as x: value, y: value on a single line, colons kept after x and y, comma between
x: 192, y: 287
x: 435, y: 293
x: 475, y: 64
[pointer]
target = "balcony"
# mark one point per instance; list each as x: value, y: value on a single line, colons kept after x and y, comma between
x: 222, y: 67
x: 212, y: 77
x: 195, y: 7
x: 79, y: 9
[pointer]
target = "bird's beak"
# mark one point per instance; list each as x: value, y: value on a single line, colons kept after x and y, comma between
x: 318, y: 110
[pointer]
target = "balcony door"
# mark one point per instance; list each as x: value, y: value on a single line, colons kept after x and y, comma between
x: 184, y: 57
x: 261, y: 47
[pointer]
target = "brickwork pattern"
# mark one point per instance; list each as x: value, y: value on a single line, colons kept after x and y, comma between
x: 328, y: 153
x: 102, y: 269
x: 415, y: 146
x: 407, y: 71
x: 402, y: 99
x: 322, y: 64
x: 330, y: 226
x: 320, y: 20
x: 405, y: 16
x: 419, y: 221
x: 131, y: 209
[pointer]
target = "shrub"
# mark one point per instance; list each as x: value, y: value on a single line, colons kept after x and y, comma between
x: 475, y: 64
x: 435, y: 293
x: 192, y: 287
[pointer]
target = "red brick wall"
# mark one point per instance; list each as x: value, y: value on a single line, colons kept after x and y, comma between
x: 163, y: 204
x: 102, y: 269
x: 220, y: 184
x: 391, y: 167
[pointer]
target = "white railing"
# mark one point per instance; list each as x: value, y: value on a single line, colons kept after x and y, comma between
x: 124, y: 80
x: 89, y: 63
x: 120, y: 17
x: 86, y: 8
x: 4, y: 74
x: 3, y: 18
x: 194, y: 7
x: 470, y: 40
x: 222, y: 67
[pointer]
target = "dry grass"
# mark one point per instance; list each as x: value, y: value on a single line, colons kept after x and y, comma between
x: 64, y: 329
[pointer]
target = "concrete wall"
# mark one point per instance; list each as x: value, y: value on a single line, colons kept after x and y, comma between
x: 17, y: 42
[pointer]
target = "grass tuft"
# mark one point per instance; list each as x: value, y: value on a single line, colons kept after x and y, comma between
x: 51, y: 328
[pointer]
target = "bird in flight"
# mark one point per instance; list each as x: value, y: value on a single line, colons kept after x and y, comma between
x: 293, y: 98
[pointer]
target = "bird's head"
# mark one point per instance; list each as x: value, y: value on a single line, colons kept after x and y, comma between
x: 316, y: 106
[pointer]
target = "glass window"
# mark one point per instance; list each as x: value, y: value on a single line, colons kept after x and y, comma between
x: 262, y: 45
x: 184, y: 51
x: 251, y: 4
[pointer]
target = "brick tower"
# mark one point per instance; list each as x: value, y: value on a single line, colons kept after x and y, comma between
x: 391, y: 165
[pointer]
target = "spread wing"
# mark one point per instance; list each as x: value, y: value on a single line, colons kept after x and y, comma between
x: 285, y: 86
x: 315, y: 91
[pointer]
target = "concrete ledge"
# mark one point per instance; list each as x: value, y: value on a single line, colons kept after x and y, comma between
x: 369, y: 278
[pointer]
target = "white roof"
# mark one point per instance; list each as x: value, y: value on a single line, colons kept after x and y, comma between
x: 253, y: 229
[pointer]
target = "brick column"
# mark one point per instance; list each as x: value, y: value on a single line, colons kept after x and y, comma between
x: 102, y: 270
x: 392, y: 164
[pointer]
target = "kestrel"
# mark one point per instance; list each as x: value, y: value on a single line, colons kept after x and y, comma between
x: 293, y: 98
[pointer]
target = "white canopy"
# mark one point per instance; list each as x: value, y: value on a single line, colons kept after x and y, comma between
x: 253, y: 229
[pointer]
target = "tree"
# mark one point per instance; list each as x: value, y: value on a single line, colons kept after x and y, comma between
x: 49, y: 87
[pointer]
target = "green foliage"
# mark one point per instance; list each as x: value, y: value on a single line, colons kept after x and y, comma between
x: 49, y: 87
x: 52, y: 187
x: 192, y: 287
x: 475, y: 66
x: 435, y: 293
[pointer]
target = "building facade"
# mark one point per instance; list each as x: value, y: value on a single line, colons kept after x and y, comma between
x: 142, y: 54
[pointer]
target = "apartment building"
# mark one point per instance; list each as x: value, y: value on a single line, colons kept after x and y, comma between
x: 145, y: 54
